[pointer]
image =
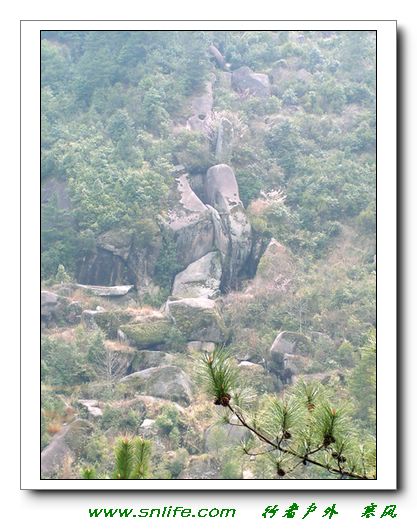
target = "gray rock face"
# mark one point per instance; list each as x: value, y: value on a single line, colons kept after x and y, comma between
x: 191, y: 224
x: 224, y: 141
x: 256, y: 377
x: 198, y: 319
x: 150, y: 359
x: 222, y: 193
x: 221, y: 188
x: 201, y: 109
x: 202, y: 104
x: 58, y: 309
x: 245, y: 80
x: 196, y: 229
x: 215, y: 53
x: 118, y: 242
x: 68, y: 441
x: 289, y: 342
x: 108, y: 264
x: 198, y: 124
x: 92, y: 406
x: 275, y: 270
x: 49, y: 303
x: 118, y: 260
x: 103, y: 290
x: 240, y: 237
x: 148, y: 333
x: 221, y: 238
x: 200, y: 278
x: 88, y: 318
x: 168, y: 382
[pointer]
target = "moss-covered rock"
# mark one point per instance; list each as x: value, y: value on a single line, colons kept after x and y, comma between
x: 198, y: 319
x: 111, y: 321
x: 148, y: 334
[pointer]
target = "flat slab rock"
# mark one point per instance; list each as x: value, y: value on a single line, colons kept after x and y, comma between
x: 104, y: 290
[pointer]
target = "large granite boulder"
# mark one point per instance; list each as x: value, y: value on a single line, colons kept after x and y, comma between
x: 200, y: 278
x: 168, y: 382
x: 217, y: 56
x: 222, y: 193
x: 221, y: 237
x: 49, y: 303
x: 245, y: 80
x: 221, y: 189
x: 285, y: 355
x: 69, y: 441
x: 59, y: 310
x: 198, y: 319
x: 292, y: 343
x: 190, y: 223
x: 275, y: 269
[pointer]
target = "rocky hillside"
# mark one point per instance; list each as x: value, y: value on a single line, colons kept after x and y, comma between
x: 200, y: 190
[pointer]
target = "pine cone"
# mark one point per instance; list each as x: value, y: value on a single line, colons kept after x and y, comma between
x: 328, y: 439
x: 224, y: 401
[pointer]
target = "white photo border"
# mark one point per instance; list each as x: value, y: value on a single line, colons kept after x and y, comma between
x: 386, y: 249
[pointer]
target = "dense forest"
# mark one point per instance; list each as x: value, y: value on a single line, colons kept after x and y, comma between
x: 208, y: 232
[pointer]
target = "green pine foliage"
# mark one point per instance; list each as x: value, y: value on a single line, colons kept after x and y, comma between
x: 305, y: 431
x: 132, y: 458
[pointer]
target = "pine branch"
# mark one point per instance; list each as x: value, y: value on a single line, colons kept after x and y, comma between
x: 302, y: 458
